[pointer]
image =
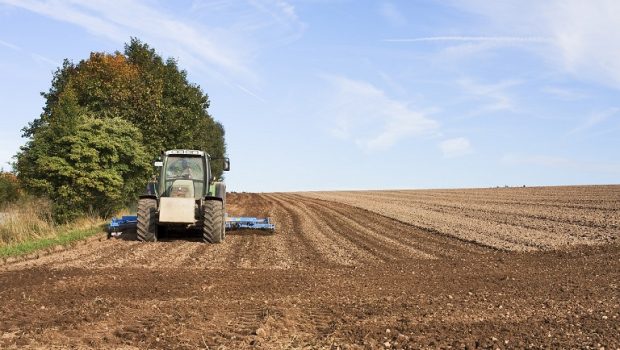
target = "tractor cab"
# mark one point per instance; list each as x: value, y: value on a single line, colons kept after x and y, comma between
x: 184, y: 176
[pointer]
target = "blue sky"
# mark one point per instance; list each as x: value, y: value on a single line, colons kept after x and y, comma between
x: 322, y: 95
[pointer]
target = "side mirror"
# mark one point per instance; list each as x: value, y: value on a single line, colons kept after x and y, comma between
x: 159, y: 164
x: 226, y: 164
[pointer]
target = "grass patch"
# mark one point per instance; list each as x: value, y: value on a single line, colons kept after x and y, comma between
x: 42, y: 243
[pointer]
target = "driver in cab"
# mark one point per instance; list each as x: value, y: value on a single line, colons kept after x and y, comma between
x: 186, y: 170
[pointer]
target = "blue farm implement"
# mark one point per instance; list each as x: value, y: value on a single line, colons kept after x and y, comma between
x: 238, y: 223
x: 129, y: 223
x: 119, y: 225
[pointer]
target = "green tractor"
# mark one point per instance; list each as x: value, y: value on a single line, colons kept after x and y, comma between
x: 185, y: 196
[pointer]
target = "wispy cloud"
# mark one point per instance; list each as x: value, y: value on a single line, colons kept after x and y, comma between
x: 251, y: 93
x: 118, y: 21
x: 560, y: 162
x: 36, y: 57
x: 280, y: 10
x: 389, y: 11
x: 490, y: 97
x: 582, y: 35
x: 594, y: 119
x: 459, y: 38
x: 365, y: 114
x: 456, y: 147
x: 563, y: 93
x: 224, y: 52
x: 10, y: 46
x: 44, y: 59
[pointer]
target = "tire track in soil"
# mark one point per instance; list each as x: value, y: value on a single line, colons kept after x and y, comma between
x: 206, y: 256
x: 298, y: 323
x: 234, y: 322
x: 224, y: 254
x: 195, y: 254
x: 271, y: 248
x: 88, y: 261
x: 236, y: 243
x: 288, y: 224
x: 144, y: 253
x: 371, y: 240
x: 117, y: 251
x: 245, y: 249
x: 423, y: 241
x: 356, y: 235
x: 169, y: 254
x: 280, y: 252
x: 501, y: 237
x: 334, y: 248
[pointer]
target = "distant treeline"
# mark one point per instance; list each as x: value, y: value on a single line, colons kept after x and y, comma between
x: 105, y: 120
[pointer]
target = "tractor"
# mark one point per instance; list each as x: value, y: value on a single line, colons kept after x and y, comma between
x: 184, y: 196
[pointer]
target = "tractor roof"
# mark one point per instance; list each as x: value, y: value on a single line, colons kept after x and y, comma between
x: 185, y: 152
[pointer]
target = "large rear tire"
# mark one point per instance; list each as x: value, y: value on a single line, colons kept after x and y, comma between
x: 147, y: 220
x: 220, y: 192
x: 213, y: 221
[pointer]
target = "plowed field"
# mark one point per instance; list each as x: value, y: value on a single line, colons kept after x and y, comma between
x: 496, y: 268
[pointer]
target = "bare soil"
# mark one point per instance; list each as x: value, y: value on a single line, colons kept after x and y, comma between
x: 338, y: 273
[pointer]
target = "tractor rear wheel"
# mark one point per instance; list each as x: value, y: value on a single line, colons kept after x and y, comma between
x: 147, y: 220
x: 213, y: 217
x: 220, y: 192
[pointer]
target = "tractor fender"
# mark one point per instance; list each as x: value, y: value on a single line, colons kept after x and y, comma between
x: 219, y: 190
x: 210, y: 198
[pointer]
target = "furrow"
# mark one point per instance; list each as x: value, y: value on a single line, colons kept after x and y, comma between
x: 330, y: 244
x: 421, y: 239
x: 385, y: 249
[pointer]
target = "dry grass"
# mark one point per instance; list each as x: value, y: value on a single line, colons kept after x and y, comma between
x: 31, y: 219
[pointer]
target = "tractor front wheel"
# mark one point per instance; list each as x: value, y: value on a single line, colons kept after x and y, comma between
x: 147, y: 220
x: 213, y: 221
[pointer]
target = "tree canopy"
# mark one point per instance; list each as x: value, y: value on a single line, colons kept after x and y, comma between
x: 105, y: 120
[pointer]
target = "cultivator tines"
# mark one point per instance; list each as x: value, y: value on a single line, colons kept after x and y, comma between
x: 117, y: 226
x: 244, y: 222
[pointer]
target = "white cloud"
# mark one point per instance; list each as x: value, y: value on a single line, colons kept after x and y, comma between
x: 582, y: 35
x: 586, y: 35
x: 594, y: 119
x: 389, y: 11
x: 374, y: 121
x: 456, y: 147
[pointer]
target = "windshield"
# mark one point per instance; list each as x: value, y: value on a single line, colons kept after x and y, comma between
x: 184, y: 177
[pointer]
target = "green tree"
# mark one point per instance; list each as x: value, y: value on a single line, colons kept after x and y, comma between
x: 140, y: 87
x: 73, y: 154
x: 83, y: 164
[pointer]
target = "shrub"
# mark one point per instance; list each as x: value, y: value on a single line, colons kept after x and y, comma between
x: 9, y: 188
